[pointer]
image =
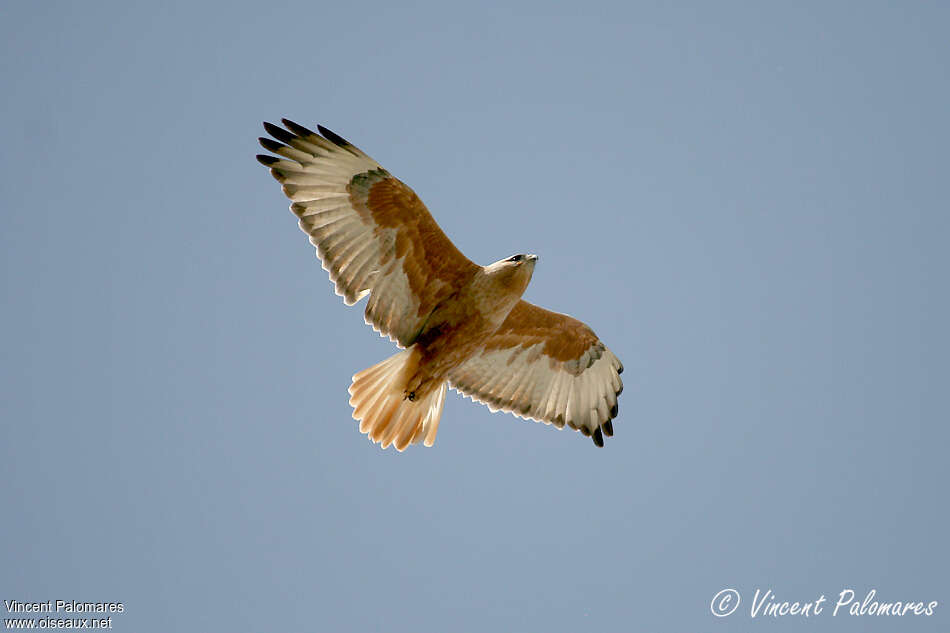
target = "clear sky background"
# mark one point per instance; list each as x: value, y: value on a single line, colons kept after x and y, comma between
x: 747, y: 201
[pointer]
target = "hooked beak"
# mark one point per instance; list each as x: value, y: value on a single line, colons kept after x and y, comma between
x: 532, y: 258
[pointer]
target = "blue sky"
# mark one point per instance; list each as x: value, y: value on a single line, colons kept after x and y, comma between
x: 746, y: 201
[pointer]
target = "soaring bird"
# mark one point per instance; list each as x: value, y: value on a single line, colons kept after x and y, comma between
x: 458, y: 324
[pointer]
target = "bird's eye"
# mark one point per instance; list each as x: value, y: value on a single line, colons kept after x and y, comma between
x: 516, y: 258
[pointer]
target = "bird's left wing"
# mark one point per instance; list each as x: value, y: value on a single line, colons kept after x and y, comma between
x: 548, y: 367
x: 371, y: 231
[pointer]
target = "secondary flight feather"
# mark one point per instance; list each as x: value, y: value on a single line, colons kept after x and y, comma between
x: 458, y: 324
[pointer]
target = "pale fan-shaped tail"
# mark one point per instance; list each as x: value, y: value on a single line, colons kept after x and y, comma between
x: 379, y: 402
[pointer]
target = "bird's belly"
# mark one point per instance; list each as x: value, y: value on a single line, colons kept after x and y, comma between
x: 444, y: 347
x: 457, y: 330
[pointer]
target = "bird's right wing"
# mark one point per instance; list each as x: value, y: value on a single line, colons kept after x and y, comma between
x: 372, y: 232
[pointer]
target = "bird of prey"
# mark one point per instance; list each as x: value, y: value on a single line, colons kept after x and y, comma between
x: 458, y: 324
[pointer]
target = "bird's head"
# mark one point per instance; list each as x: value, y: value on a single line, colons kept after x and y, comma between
x: 521, y: 263
x: 513, y: 273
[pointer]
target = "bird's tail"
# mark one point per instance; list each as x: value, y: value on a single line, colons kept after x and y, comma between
x: 379, y: 402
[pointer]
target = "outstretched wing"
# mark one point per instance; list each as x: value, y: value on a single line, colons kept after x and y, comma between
x: 371, y: 231
x: 548, y: 367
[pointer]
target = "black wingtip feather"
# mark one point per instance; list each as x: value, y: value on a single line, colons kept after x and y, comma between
x: 598, y: 438
x: 266, y: 160
x: 336, y: 139
x: 270, y: 144
x: 279, y: 133
x: 608, y: 427
x: 614, y: 410
x: 297, y: 129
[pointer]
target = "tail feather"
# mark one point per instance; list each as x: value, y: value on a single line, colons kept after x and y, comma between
x: 385, y: 415
x: 435, y: 414
x: 372, y: 393
x: 377, y: 396
x: 404, y: 416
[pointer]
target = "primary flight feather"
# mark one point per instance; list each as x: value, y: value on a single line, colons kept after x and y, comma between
x: 459, y: 324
